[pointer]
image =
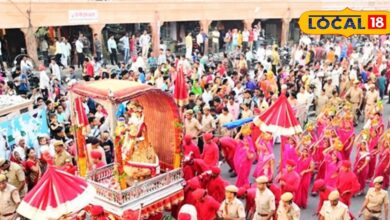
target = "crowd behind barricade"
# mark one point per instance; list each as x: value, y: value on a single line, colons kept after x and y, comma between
x: 344, y: 81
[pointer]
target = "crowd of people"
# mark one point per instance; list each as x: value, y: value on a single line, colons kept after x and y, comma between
x: 343, y: 80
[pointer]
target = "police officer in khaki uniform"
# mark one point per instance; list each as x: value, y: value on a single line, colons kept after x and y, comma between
x: 15, y: 175
x: 376, y: 198
x: 372, y: 96
x: 9, y: 199
x: 231, y: 207
x: 264, y: 200
x: 333, y: 209
x: 329, y: 87
x: 287, y: 209
x: 355, y: 95
x: 61, y: 155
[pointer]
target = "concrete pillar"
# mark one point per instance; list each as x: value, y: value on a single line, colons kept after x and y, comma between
x: 155, y: 27
x: 248, y: 23
x: 31, y: 43
x: 97, y: 29
x: 204, y: 27
x: 285, y: 31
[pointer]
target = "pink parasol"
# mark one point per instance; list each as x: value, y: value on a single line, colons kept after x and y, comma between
x: 279, y: 119
x: 56, y: 194
x: 180, y: 94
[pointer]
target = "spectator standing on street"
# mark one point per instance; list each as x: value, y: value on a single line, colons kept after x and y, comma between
x: 59, y: 53
x: 245, y: 39
x: 112, y: 48
x: 126, y: 47
x: 55, y: 70
x: 144, y: 42
x: 97, y: 45
x: 80, y: 53
x: 43, y: 48
x: 188, y: 42
x: 215, y: 39
x: 66, y: 49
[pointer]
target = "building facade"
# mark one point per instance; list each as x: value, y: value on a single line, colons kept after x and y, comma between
x: 276, y: 15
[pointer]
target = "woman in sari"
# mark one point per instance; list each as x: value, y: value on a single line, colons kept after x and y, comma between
x: 265, y: 159
x: 331, y: 160
x: 383, y: 167
x: 289, y: 152
x: 361, y: 165
x: 376, y: 130
x: 33, y: 169
x: 243, y: 158
x: 319, y: 157
x: 305, y: 168
x: 346, y: 133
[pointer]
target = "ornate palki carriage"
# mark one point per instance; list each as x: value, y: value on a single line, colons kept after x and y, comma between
x: 146, y: 130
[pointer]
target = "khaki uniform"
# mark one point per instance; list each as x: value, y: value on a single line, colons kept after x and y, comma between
x: 265, y: 204
x: 192, y: 127
x: 294, y: 213
x: 376, y: 200
x: 339, y: 212
x: 222, y: 119
x: 322, y: 100
x: 208, y: 123
x: 16, y: 177
x: 329, y: 90
x: 61, y: 158
x: 9, y: 200
x: 356, y: 96
x: 233, y: 209
x: 371, y: 99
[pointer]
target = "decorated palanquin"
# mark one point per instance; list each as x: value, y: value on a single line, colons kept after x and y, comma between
x: 145, y: 127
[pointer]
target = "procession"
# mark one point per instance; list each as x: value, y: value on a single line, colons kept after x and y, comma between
x: 227, y: 125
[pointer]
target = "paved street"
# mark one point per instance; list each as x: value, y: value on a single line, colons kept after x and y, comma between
x: 307, y: 214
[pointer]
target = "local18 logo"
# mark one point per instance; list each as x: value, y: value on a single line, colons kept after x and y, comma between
x: 346, y: 22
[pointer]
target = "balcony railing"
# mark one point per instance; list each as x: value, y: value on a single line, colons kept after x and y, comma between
x: 138, y: 191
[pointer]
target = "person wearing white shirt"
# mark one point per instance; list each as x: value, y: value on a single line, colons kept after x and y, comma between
x: 66, y: 48
x: 199, y: 41
x: 260, y: 54
x: 112, y: 48
x: 245, y: 38
x: 58, y: 52
x: 55, y: 70
x: 44, y: 82
x: 215, y: 39
x: 126, y: 47
x: 144, y: 41
x: 79, y: 51
x: 207, y: 95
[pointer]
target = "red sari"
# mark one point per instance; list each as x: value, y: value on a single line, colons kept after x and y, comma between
x: 376, y: 132
x: 383, y: 167
x: 303, y: 190
x: 32, y: 176
x: 361, y: 158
